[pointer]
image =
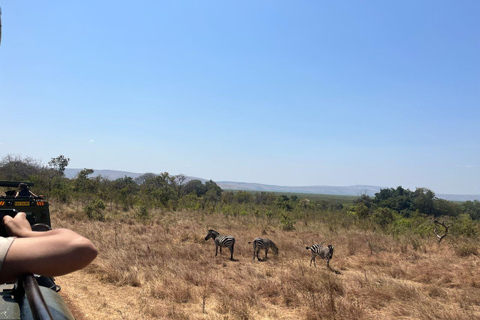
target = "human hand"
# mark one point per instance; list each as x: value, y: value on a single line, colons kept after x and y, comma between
x: 17, y: 226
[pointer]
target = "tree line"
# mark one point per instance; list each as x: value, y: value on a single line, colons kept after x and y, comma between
x: 391, y: 209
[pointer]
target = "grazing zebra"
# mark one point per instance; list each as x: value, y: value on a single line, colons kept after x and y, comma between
x: 221, y: 241
x: 261, y: 243
x: 324, y: 253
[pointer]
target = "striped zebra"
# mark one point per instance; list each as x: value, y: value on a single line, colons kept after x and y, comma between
x: 263, y: 243
x: 321, y: 251
x: 221, y: 241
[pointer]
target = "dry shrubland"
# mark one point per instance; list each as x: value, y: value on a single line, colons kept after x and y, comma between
x: 167, y: 260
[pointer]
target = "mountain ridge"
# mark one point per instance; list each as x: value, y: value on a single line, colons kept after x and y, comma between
x: 354, y: 190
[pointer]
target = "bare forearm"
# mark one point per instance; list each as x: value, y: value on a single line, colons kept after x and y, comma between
x: 50, y: 253
x: 33, y: 234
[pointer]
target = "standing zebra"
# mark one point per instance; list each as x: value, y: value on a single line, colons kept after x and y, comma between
x: 324, y: 253
x: 221, y: 241
x: 260, y: 243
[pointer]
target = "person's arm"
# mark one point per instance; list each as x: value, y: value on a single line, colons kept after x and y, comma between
x: 49, y: 253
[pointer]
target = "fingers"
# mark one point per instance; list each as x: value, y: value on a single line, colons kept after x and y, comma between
x: 21, y: 215
x: 6, y: 219
x: 18, y: 216
x: 17, y: 226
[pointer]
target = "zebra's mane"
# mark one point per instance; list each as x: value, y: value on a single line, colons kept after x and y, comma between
x: 216, y: 233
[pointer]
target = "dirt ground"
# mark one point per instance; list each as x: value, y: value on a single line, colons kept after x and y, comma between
x: 88, y: 299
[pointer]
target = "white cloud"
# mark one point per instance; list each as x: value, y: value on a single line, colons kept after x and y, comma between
x: 91, y: 141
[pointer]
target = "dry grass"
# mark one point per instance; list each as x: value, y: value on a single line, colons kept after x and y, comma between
x: 169, y: 271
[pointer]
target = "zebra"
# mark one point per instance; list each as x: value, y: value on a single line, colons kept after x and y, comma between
x: 221, y: 241
x: 263, y: 243
x: 324, y: 253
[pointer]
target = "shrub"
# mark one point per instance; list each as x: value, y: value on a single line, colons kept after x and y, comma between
x: 287, y: 223
x: 466, y: 226
x: 142, y: 212
x: 94, y: 210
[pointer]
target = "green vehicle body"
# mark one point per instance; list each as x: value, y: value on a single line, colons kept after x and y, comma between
x: 18, y: 308
x: 14, y: 303
x: 36, y: 208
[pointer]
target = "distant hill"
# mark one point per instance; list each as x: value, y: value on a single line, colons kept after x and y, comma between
x: 334, y: 190
x: 355, y: 190
x: 109, y: 174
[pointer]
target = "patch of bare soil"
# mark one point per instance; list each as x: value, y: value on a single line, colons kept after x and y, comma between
x: 87, y: 298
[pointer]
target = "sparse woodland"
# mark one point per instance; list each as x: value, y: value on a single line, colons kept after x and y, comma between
x: 155, y: 263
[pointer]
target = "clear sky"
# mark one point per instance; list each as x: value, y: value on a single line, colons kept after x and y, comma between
x: 293, y: 93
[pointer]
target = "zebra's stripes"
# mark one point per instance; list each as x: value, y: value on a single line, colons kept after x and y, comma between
x: 221, y: 241
x: 321, y: 251
x: 263, y: 243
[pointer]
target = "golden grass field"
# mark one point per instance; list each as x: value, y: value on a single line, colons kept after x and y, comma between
x: 164, y: 269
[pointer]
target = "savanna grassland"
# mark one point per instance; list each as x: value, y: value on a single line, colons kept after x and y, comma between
x: 162, y: 268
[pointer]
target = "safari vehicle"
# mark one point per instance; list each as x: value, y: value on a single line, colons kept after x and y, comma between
x: 36, y: 208
x: 32, y: 296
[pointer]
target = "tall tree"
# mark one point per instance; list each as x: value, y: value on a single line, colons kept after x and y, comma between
x: 423, y: 200
x: 14, y: 167
x: 213, y: 194
x: 59, y: 163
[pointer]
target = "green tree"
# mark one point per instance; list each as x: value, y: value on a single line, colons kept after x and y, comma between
x: 445, y: 208
x: 144, y: 177
x: 364, y: 198
x: 84, y: 184
x: 423, y: 200
x: 283, y: 202
x: 243, y: 196
x: 196, y: 187
x: 361, y: 210
x: 59, y: 163
x: 17, y: 168
x: 464, y: 225
x: 165, y: 190
x: 265, y: 198
x: 383, y: 216
x: 472, y: 208
x: 213, y: 194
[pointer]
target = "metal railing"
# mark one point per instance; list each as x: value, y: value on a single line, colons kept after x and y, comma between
x: 37, y: 303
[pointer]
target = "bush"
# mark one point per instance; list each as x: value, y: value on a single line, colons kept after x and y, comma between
x: 401, y: 225
x: 383, y: 216
x: 142, y: 212
x: 466, y: 226
x: 94, y: 210
x: 287, y: 223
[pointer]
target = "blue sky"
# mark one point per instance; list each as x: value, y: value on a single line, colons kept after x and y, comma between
x: 291, y: 93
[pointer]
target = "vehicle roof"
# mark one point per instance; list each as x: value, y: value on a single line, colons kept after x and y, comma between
x: 15, y: 183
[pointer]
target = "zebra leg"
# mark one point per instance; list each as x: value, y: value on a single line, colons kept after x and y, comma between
x: 266, y: 252
x: 328, y: 265
x: 216, y: 250
x: 331, y: 269
x: 231, y: 252
x: 254, y: 249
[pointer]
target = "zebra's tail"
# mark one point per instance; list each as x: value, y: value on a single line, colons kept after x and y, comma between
x: 308, y: 248
x: 249, y: 242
